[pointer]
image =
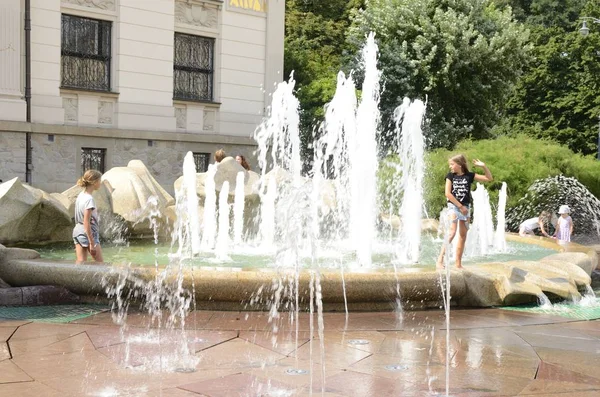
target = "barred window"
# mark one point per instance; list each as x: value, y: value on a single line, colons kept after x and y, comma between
x: 85, y: 53
x: 201, y: 160
x: 92, y: 159
x: 193, y: 67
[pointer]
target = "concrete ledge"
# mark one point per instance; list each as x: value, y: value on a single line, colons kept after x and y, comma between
x: 60, y: 129
x: 482, y: 285
x: 36, y: 295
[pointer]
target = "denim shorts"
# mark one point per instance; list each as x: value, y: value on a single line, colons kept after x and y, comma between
x: 82, y: 239
x: 459, y: 215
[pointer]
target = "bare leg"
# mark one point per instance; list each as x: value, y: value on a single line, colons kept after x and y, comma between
x: 81, y: 253
x: 451, y: 234
x: 460, y: 246
x: 98, y: 256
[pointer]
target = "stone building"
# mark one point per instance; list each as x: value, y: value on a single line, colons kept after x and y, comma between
x: 97, y: 83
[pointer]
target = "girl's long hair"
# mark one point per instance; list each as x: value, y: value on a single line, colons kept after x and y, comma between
x: 461, y: 160
x: 89, y: 178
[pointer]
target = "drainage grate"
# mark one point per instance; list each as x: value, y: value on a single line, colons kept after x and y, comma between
x: 51, y: 314
x: 590, y: 311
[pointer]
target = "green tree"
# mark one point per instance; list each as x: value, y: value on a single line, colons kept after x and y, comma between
x: 314, y: 50
x: 558, y: 97
x: 462, y: 56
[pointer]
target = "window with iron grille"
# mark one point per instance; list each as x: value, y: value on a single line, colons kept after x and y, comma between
x: 92, y: 159
x: 193, y: 67
x: 85, y: 53
x: 201, y: 160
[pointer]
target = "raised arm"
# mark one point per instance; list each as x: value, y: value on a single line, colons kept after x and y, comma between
x: 483, y: 178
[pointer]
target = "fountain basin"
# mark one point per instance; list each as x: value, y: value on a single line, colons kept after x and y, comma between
x: 482, y: 285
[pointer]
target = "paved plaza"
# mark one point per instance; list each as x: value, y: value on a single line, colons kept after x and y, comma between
x: 494, y: 352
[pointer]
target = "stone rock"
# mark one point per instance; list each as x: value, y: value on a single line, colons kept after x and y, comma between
x: 516, y: 282
x: 102, y: 197
x: 395, y: 222
x: 28, y: 214
x: 579, y: 276
x: 136, y: 197
x: 577, y: 258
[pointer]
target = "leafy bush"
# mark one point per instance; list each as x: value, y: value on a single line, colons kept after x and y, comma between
x: 519, y: 161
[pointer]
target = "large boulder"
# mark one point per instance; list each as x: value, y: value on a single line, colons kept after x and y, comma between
x: 28, y: 214
x: 113, y: 227
x: 102, y: 197
x: 227, y: 170
x: 137, y: 198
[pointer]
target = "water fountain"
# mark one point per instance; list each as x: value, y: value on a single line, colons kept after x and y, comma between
x: 318, y: 234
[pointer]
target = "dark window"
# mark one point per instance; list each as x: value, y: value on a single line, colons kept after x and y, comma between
x: 92, y: 159
x: 85, y: 53
x: 201, y: 160
x: 193, y: 67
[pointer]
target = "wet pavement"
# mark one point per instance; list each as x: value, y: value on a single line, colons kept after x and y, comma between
x: 493, y: 352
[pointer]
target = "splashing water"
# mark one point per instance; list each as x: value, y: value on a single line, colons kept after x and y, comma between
x: 223, y: 236
x: 238, y: 209
x: 411, y: 151
x: 209, y: 226
x: 500, y: 237
x: 188, y: 193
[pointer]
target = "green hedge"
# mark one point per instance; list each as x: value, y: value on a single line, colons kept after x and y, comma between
x: 518, y: 161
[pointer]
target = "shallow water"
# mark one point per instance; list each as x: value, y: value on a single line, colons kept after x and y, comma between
x: 142, y: 252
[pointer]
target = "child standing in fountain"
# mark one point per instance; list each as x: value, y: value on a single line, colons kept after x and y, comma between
x: 458, y: 194
x: 564, y: 228
x: 86, y: 234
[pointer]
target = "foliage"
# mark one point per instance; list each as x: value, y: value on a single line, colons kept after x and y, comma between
x: 558, y: 96
x: 518, y: 161
x: 462, y: 56
x: 315, y: 33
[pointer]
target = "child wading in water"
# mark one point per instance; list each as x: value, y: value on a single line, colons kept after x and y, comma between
x: 564, y: 228
x: 86, y: 234
x: 458, y: 194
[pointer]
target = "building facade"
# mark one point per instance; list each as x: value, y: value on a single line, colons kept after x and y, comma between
x: 97, y: 83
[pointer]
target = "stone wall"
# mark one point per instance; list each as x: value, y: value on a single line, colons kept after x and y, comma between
x: 12, y: 155
x: 56, y: 152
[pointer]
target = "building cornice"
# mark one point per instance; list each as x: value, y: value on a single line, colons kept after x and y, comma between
x: 56, y: 129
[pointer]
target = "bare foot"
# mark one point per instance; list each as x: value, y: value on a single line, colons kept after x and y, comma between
x: 440, y: 264
x: 459, y: 266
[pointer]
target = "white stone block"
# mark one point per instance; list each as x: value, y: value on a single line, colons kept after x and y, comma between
x: 12, y: 109
x: 161, y: 6
x: 45, y: 70
x: 146, y: 18
x: 194, y: 118
x: 149, y: 66
x: 244, y: 35
x: 145, y: 34
x: 240, y: 77
x: 45, y: 53
x: 237, y: 91
x: 240, y: 63
x: 143, y: 50
x: 146, y: 96
x: 47, y: 115
x: 44, y: 35
x: 45, y: 17
x: 246, y: 20
x: 241, y: 106
x: 151, y: 123
x: 87, y: 111
x: 247, y: 50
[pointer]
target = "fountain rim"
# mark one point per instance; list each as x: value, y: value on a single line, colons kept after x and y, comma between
x: 233, y: 290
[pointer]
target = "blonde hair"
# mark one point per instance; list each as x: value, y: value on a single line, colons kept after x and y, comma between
x: 461, y: 160
x: 219, y: 155
x: 89, y: 178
